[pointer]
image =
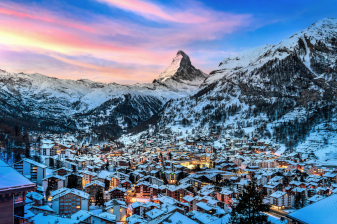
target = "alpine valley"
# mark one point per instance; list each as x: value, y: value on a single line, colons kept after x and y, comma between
x: 285, y: 93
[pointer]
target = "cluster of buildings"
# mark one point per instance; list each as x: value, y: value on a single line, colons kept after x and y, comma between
x: 159, y: 180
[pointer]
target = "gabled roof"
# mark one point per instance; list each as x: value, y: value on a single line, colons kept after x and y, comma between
x: 278, y: 194
x: 99, y: 183
x: 82, y: 194
x: 177, y: 218
x: 34, y: 163
x: 154, y: 213
x: 323, y: 211
x: 12, y: 179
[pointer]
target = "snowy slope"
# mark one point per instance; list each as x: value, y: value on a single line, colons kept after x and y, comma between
x: 181, y: 74
x: 40, y: 96
x: 279, y: 92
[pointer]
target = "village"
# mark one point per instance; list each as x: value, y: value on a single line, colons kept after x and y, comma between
x: 161, y: 179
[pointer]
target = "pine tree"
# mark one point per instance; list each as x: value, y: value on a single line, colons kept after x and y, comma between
x: 17, y: 157
x: 51, y: 162
x: 27, y: 152
x: 107, y: 184
x: 58, y: 164
x: 234, y: 217
x: 99, y: 200
x: 37, y: 158
x: 107, y: 165
x: 163, y: 177
x: 47, y: 193
x: 197, y: 167
x: 72, y: 181
x: 250, y: 206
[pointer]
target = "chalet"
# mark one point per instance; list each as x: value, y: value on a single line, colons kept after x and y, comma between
x: 117, y: 208
x: 176, y: 192
x: 117, y: 193
x: 140, y: 209
x: 88, y: 217
x: 281, y: 200
x: 322, y: 211
x: 31, y: 169
x: 13, y: 191
x: 92, y: 188
x: 146, y: 190
x: 70, y: 201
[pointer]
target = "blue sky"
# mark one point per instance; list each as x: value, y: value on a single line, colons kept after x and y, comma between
x: 133, y: 41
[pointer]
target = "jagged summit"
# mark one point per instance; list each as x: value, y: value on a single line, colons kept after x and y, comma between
x: 285, y: 92
x: 309, y: 44
x: 324, y: 23
x: 181, y: 73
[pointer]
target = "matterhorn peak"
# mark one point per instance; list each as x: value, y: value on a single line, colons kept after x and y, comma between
x: 182, y: 70
x: 182, y: 53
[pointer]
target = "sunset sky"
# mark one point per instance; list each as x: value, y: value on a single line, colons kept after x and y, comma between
x: 130, y: 41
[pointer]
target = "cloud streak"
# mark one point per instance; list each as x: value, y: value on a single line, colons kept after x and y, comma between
x: 137, y: 52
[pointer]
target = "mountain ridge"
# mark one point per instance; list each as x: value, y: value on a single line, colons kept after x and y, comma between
x: 282, y: 93
x: 41, y: 96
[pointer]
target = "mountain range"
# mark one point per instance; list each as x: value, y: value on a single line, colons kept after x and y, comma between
x: 285, y: 93
x: 61, y: 104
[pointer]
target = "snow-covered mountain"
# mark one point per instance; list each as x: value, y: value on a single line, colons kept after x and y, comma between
x: 181, y: 74
x: 84, y: 103
x: 284, y: 92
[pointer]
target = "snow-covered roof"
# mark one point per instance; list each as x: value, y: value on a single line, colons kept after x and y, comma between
x: 177, y: 218
x: 43, y: 219
x: 154, y: 213
x: 72, y: 191
x: 278, y: 194
x: 34, y: 163
x: 12, y: 179
x: 323, y: 211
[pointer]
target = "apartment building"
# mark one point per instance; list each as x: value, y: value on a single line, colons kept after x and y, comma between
x: 31, y: 169
x: 70, y: 201
x: 13, y: 190
x: 281, y: 200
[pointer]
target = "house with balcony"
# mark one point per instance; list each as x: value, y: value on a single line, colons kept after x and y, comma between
x: 13, y: 190
x: 69, y: 201
x: 31, y: 169
x: 281, y: 200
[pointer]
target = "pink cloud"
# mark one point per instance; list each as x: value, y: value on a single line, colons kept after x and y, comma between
x: 38, y: 30
x: 193, y: 14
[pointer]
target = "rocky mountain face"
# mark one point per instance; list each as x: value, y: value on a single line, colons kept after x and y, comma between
x: 59, y: 104
x: 181, y: 74
x: 284, y: 92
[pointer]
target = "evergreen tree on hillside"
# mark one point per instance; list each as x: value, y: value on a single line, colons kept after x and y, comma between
x: 250, y: 208
x: 27, y: 152
x: 17, y: 157
x: 37, y: 158
x: 17, y: 130
x: 107, y: 184
x: 107, y: 165
x: 58, y: 164
x: 99, y: 200
x: 72, y: 181
x: 47, y: 194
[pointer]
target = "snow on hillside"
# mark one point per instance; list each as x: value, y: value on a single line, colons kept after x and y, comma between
x: 256, y: 57
x: 94, y: 103
x: 172, y: 69
x: 281, y: 92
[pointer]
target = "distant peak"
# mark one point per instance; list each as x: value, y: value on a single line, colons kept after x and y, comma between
x: 323, y: 23
x: 181, y: 68
x: 180, y: 52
